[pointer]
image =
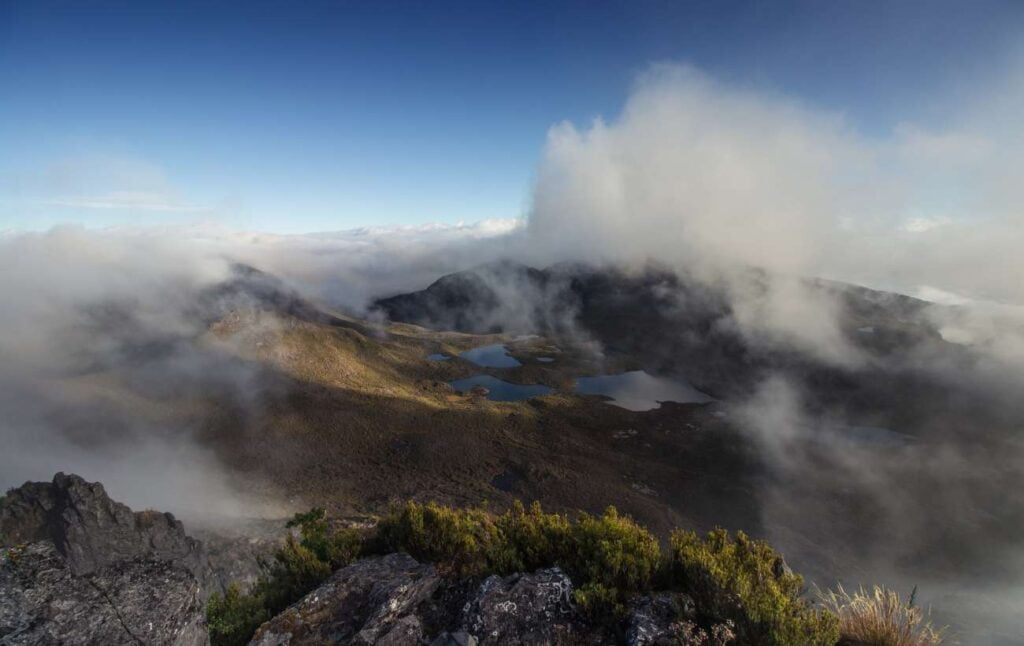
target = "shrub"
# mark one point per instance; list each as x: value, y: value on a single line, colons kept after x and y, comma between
x: 599, y: 603
x: 535, y: 539
x: 464, y: 541
x: 614, y: 551
x: 233, y: 617
x: 880, y: 618
x: 299, y: 566
x: 335, y: 546
x: 607, y: 556
x: 746, y: 582
x: 737, y: 584
x: 609, y: 549
x: 296, y: 571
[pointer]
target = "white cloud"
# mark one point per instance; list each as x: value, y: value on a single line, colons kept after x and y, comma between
x: 133, y: 200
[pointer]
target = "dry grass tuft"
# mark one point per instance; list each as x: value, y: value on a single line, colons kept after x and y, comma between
x: 880, y: 618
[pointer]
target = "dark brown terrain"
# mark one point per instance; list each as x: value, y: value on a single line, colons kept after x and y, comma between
x: 351, y: 415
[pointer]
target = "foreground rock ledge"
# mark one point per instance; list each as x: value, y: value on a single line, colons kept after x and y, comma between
x: 77, y: 568
x: 394, y: 599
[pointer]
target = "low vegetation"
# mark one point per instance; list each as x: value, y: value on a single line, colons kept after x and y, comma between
x: 737, y: 584
x: 746, y: 582
x: 299, y: 567
x: 880, y: 618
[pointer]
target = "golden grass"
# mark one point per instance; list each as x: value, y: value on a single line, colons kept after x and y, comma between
x: 880, y: 618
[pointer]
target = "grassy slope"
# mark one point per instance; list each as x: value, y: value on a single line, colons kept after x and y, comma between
x: 354, y: 419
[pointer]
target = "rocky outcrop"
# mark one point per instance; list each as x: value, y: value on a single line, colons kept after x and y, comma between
x: 137, y: 601
x: 522, y: 609
x: 80, y: 568
x: 90, y: 530
x: 667, y: 619
x: 373, y: 601
x: 396, y: 600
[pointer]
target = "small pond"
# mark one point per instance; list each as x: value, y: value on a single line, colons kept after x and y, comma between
x: 639, y: 391
x: 438, y: 357
x: 491, y: 356
x: 545, y: 359
x: 501, y: 391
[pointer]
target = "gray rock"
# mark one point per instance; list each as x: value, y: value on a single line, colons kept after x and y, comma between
x: 140, y: 601
x: 651, y: 618
x: 522, y: 609
x: 667, y: 619
x: 373, y: 601
x: 90, y: 530
x: 239, y: 549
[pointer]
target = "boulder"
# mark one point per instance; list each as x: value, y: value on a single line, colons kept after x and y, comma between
x: 531, y: 609
x: 80, y: 568
x: 372, y: 601
x: 667, y: 619
x: 90, y: 530
x: 138, y: 601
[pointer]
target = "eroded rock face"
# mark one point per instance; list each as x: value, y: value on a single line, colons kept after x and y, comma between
x: 522, y: 609
x: 90, y: 530
x: 80, y: 568
x: 373, y: 601
x: 396, y: 600
x: 139, y: 601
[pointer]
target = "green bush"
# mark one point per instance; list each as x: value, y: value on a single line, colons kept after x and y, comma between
x: 295, y: 571
x: 614, y: 551
x: 746, y: 581
x: 233, y: 617
x: 599, y: 603
x: 731, y: 579
x: 335, y: 546
x: 465, y: 542
x: 299, y: 567
x: 606, y: 556
x: 535, y: 539
x: 609, y: 549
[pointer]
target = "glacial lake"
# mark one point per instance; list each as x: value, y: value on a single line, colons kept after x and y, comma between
x: 639, y: 391
x: 501, y: 391
x: 438, y: 357
x: 491, y: 356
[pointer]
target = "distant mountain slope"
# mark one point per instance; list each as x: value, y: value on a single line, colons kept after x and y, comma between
x: 673, y: 324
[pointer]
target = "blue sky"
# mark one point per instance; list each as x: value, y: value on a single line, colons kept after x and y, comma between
x: 312, y: 116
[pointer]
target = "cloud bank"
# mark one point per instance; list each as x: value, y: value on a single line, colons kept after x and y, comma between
x: 712, y: 176
x: 719, y: 181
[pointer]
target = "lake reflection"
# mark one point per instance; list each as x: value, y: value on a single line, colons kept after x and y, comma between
x: 491, y: 356
x: 502, y: 391
x: 639, y: 391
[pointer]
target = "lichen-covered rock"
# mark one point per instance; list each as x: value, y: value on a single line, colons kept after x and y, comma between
x: 373, y: 601
x: 90, y: 530
x: 667, y: 619
x: 531, y: 609
x: 139, y: 601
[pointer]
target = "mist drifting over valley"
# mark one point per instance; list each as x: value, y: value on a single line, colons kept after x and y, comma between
x: 869, y: 284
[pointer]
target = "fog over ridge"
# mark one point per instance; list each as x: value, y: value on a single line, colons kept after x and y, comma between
x: 717, y: 181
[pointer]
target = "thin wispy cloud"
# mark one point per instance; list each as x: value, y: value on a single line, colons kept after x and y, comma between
x: 137, y: 201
